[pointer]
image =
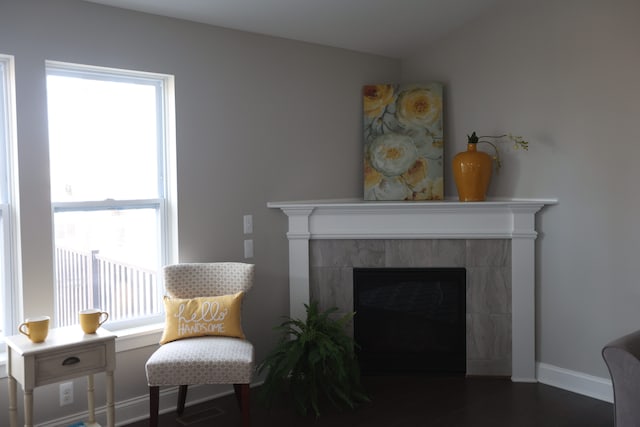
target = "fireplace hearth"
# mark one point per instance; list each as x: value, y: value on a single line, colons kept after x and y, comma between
x: 410, y: 320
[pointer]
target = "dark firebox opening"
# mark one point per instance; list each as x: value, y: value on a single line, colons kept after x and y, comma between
x: 410, y: 320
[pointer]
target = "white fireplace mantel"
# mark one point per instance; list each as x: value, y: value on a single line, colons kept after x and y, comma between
x: 512, y: 219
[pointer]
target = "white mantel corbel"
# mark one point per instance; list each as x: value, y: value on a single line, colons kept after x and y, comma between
x: 357, y: 219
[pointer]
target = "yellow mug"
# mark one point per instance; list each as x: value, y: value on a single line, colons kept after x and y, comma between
x: 36, y: 328
x: 91, y: 319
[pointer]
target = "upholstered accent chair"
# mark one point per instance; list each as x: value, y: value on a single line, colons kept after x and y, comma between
x: 622, y: 357
x: 205, y: 359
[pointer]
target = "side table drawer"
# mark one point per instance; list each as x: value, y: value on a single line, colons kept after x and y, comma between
x: 71, y: 362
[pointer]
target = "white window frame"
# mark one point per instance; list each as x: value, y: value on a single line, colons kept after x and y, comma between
x: 165, y: 205
x: 10, y: 250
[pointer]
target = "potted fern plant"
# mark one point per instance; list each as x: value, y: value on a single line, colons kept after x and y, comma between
x: 314, y: 362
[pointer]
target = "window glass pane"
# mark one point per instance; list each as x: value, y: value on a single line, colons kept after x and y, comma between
x: 3, y: 199
x: 9, y: 280
x: 108, y: 260
x: 4, y: 164
x: 103, y: 138
x: 123, y: 235
x: 3, y: 276
x: 107, y: 153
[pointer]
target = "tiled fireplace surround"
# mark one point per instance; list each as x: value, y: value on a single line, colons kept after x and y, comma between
x: 488, y: 265
x: 494, y: 241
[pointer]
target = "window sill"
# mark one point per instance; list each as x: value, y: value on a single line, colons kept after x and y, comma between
x: 141, y: 336
x: 127, y: 339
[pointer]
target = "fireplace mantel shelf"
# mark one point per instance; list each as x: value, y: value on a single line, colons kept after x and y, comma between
x: 447, y: 203
x: 358, y: 219
x: 512, y: 219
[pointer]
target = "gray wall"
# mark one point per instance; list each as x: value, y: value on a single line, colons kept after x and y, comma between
x: 258, y: 119
x: 262, y: 119
x: 565, y: 75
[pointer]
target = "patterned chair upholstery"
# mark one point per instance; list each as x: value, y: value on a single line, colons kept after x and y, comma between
x: 203, y: 360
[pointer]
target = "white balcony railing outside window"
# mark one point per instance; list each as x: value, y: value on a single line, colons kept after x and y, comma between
x: 87, y: 280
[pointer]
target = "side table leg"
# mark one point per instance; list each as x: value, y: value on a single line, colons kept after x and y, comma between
x: 13, y: 401
x: 91, y: 402
x: 111, y: 412
x: 28, y: 407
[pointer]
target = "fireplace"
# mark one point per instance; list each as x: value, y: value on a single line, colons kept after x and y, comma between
x: 441, y: 224
x: 410, y: 320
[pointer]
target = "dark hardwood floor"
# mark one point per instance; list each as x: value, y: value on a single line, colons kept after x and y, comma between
x: 420, y: 401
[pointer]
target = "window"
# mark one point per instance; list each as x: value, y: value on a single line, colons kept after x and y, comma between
x: 110, y: 145
x: 9, y: 278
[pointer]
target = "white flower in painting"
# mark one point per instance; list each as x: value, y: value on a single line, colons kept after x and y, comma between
x: 392, y: 154
x: 393, y: 188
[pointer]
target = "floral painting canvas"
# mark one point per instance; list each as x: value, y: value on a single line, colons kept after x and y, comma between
x: 403, y: 144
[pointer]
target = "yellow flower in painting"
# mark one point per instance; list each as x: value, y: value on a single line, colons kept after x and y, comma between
x: 432, y: 190
x: 371, y: 176
x: 419, y: 107
x: 423, y: 195
x: 416, y: 175
x: 376, y: 98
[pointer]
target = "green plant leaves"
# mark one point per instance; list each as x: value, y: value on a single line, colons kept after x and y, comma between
x: 314, y: 361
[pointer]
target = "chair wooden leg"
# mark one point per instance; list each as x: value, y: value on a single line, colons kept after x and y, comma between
x: 154, y: 405
x: 242, y: 394
x: 182, y: 398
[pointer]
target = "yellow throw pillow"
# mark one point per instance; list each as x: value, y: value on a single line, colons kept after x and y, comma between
x: 197, y: 317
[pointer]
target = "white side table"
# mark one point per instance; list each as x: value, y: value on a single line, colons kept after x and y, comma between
x: 66, y: 353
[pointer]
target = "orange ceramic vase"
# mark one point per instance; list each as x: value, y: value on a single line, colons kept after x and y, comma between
x: 472, y: 173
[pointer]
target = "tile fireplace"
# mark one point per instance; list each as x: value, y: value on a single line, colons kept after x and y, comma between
x: 472, y: 235
x: 487, y: 263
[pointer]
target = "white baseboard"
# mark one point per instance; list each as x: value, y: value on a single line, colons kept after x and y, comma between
x: 577, y: 382
x: 137, y: 408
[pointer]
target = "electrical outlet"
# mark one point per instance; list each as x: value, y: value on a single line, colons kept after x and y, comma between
x: 66, y: 393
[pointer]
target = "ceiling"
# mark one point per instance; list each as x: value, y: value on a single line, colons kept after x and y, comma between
x: 393, y: 28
